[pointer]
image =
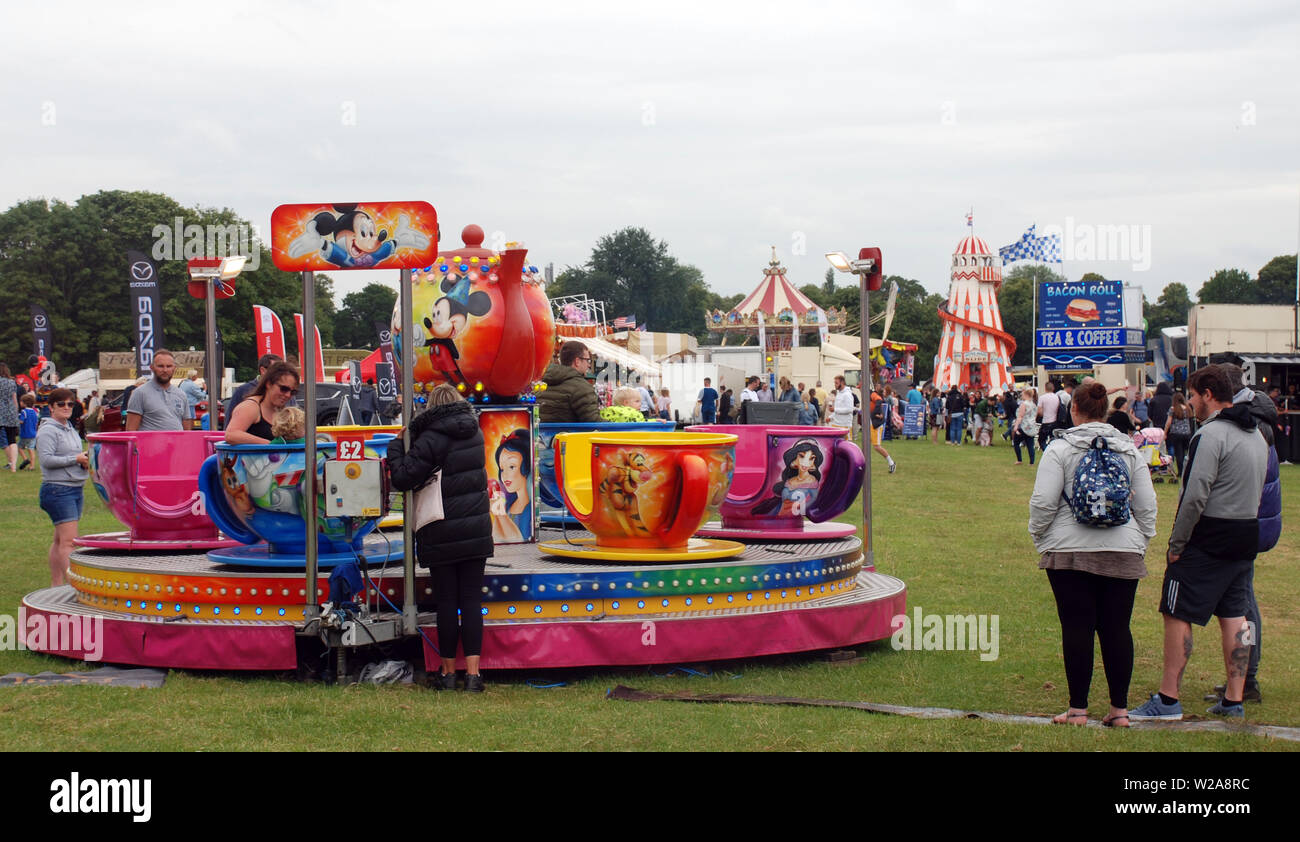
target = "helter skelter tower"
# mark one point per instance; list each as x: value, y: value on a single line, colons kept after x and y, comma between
x: 974, y: 351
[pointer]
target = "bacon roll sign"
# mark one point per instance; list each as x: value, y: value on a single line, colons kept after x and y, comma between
x: 362, y: 235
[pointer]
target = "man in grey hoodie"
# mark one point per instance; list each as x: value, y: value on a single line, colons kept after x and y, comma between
x: 1213, y: 544
x: 1270, y: 515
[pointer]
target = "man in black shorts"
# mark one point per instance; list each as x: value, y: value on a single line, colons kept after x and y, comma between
x: 1213, y: 543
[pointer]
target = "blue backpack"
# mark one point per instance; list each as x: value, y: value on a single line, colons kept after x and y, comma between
x: 1102, y: 487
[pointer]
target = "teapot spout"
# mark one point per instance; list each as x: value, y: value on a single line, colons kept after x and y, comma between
x: 512, y: 370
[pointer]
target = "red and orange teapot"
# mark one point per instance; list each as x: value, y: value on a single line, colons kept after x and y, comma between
x: 481, y: 319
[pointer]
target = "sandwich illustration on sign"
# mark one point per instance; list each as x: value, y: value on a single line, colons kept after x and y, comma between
x: 1082, y: 310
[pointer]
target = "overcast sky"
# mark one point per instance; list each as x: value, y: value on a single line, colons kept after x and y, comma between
x: 723, y: 128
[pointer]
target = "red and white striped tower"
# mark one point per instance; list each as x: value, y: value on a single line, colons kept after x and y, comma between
x: 974, y: 351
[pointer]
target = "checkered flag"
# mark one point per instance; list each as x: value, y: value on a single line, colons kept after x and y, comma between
x: 1030, y: 247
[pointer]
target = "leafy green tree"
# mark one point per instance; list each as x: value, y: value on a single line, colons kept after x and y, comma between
x: 354, y: 325
x: 635, y: 275
x: 1229, y: 286
x: 71, y: 259
x: 816, y: 294
x: 828, y: 285
x: 1091, y: 276
x: 1170, y: 309
x: 1277, y: 280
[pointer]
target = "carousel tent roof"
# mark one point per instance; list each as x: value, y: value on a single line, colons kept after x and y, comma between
x: 775, y: 293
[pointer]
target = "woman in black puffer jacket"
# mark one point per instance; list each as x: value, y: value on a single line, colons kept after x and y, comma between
x: 446, y: 436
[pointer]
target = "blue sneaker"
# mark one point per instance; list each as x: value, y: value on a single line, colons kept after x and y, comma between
x: 1153, y: 708
x: 1230, y: 711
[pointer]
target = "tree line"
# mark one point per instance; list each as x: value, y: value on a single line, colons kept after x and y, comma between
x: 71, y: 260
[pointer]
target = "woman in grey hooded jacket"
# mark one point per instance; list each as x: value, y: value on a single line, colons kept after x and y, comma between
x: 64, y: 469
x: 1093, y: 571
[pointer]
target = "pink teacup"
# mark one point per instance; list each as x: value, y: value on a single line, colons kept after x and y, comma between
x: 150, y: 481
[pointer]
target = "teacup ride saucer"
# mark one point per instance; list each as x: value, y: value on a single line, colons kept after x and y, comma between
x: 123, y: 542
x: 810, y: 532
x: 260, y: 555
x: 696, y: 549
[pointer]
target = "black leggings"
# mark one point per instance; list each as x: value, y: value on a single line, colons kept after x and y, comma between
x: 1178, y: 449
x: 1095, y: 606
x: 459, y: 586
x: 1019, y: 438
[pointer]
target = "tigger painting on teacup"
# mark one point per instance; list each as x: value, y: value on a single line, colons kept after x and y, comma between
x: 643, y: 489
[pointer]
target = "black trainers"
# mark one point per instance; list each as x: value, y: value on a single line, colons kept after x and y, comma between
x: 474, y: 684
x: 1249, y: 694
x: 22, y: 466
x: 443, y: 681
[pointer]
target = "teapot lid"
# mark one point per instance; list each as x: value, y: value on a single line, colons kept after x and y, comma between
x: 474, y: 261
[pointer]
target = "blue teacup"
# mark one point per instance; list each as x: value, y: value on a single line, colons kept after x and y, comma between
x: 254, y: 493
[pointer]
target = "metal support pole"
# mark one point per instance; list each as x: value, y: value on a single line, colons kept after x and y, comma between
x: 409, y: 615
x: 308, y: 343
x: 1033, y: 331
x: 211, y: 366
x: 870, y: 559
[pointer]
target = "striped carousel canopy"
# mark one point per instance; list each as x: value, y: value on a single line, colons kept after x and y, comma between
x: 774, y: 294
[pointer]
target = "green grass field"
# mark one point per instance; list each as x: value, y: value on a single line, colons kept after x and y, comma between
x: 950, y: 523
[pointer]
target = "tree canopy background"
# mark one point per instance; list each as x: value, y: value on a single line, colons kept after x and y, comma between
x: 71, y: 260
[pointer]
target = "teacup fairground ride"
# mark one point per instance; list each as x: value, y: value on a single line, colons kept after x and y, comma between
x: 790, y: 482
x: 255, y: 494
x: 541, y: 609
x: 149, y: 481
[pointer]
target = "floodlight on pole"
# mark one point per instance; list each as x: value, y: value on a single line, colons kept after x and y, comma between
x: 869, y: 269
x: 840, y: 261
x: 216, y: 276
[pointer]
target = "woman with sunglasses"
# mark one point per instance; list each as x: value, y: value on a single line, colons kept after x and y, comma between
x: 64, y: 469
x: 250, y: 422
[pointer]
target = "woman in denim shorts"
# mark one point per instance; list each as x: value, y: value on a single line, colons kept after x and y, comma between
x: 64, y: 469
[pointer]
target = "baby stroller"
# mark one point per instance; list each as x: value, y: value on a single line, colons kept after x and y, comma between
x: 1150, y: 442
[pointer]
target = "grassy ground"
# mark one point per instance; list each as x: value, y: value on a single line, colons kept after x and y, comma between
x: 951, y: 523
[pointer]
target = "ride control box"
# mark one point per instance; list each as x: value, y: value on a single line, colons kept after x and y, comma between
x: 356, y: 488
